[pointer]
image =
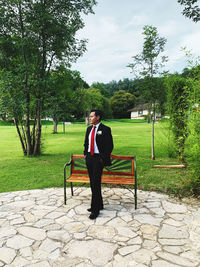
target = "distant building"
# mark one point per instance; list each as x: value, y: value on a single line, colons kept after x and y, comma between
x: 141, y: 111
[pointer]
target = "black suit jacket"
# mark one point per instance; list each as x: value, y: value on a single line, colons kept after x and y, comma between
x: 104, y: 142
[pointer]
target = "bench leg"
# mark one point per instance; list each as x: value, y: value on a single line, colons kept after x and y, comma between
x: 65, y: 197
x: 72, y: 192
x: 135, y: 197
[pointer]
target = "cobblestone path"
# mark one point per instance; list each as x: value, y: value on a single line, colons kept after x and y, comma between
x: 36, y: 229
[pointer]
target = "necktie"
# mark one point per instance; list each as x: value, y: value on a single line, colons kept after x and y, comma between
x: 92, y: 141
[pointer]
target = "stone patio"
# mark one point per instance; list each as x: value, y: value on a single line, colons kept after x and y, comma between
x: 37, y: 230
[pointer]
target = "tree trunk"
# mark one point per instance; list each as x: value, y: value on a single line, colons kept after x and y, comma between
x: 38, y: 138
x: 36, y: 150
x: 149, y: 115
x: 20, y: 136
x: 152, y: 148
x: 28, y: 133
x: 152, y: 145
x: 55, y: 124
x: 33, y: 134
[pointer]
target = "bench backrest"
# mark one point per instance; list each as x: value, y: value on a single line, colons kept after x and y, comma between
x: 121, y: 166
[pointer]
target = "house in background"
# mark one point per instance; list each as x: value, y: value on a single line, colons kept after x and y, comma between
x: 141, y: 111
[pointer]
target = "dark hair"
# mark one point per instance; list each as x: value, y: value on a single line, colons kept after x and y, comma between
x: 97, y: 113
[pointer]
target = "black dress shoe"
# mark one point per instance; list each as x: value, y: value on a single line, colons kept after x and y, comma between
x: 94, y: 215
x: 90, y: 210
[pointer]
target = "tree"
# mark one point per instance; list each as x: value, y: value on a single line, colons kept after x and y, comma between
x: 120, y: 103
x: 84, y: 100
x: 106, y: 108
x: 102, y: 88
x: 178, y: 106
x: 61, y: 84
x: 93, y: 100
x: 192, y: 144
x: 148, y: 63
x: 78, y: 103
x: 191, y: 10
x: 11, y: 101
x: 153, y: 92
x: 35, y: 37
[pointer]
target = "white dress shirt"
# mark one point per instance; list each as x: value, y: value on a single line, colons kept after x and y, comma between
x: 96, y: 151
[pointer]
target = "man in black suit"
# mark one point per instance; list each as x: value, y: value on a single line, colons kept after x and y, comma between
x: 98, y: 147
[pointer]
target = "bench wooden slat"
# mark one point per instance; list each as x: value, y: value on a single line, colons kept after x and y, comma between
x: 77, y: 156
x: 104, y: 179
x: 105, y: 172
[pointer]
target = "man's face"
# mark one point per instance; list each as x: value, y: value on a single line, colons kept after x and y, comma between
x: 94, y: 119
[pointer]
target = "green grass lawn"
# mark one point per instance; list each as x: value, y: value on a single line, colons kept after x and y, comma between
x: 18, y: 172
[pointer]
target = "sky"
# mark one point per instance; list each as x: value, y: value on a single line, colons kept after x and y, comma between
x: 114, y: 36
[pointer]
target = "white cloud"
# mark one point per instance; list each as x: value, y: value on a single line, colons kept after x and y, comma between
x: 115, y: 35
x: 138, y: 20
x: 191, y: 42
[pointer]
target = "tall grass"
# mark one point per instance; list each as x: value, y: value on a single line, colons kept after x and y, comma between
x: 165, y: 140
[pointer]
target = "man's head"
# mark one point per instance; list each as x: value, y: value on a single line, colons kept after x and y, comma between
x: 95, y: 116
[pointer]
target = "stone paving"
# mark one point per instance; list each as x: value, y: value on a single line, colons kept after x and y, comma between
x: 37, y: 230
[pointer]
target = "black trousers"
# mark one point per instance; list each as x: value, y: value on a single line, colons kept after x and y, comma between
x: 95, y: 168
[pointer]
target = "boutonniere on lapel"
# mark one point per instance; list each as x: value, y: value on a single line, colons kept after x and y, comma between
x: 99, y: 132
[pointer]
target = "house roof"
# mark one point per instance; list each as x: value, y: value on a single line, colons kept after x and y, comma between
x: 139, y: 107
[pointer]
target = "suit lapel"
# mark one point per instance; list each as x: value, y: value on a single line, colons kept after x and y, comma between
x: 97, y: 135
x: 100, y: 127
x: 89, y: 129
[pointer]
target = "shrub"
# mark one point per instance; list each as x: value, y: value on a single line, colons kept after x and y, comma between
x: 178, y: 110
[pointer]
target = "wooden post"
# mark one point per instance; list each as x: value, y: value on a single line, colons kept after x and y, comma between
x: 169, y: 166
x: 63, y: 127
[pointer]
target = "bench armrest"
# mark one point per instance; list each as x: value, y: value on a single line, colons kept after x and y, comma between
x: 65, y: 166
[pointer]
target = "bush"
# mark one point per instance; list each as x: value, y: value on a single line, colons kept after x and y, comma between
x: 192, y: 152
x: 178, y: 110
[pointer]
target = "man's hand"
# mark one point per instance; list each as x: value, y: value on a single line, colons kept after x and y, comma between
x: 101, y: 160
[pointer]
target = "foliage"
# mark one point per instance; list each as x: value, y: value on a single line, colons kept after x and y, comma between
x: 192, y: 152
x: 137, y: 87
x: 147, y: 65
x: 164, y: 137
x: 78, y: 102
x: 12, y: 103
x: 128, y: 85
x: 153, y: 91
x: 60, y: 86
x: 121, y: 102
x: 83, y: 100
x: 178, y: 110
x: 192, y: 149
x: 102, y: 88
x: 35, y: 37
x: 93, y: 99
x: 59, y: 104
x: 148, y: 62
x: 106, y: 108
x: 191, y: 9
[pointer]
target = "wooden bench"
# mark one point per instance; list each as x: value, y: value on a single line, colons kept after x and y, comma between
x: 122, y: 172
